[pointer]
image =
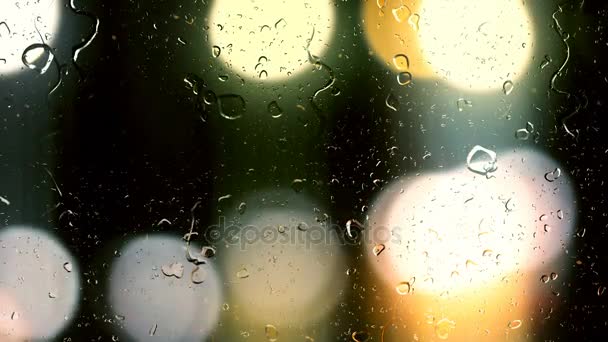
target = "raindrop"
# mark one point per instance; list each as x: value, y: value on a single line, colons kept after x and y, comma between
x: 222, y: 78
x: 263, y: 75
x: 515, y: 324
x: 522, y: 134
x: 297, y: 185
x: 392, y: 102
x: 547, y: 228
x: 530, y: 127
x: 15, y: 316
x: 175, y: 269
x: 601, y: 290
x: 242, y: 208
x: 507, y: 87
x: 471, y: 265
x: 216, y: 51
x: 404, y: 78
x: 272, y: 334
x: 351, y: 271
x: 403, y: 288
x: 153, y: 329
x: 461, y: 104
x: 350, y: 224
x: 552, y: 176
x: 209, y: 97
x: 545, y: 62
x: 302, y: 226
x: 487, y: 253
x: 280, y: 24
x: 553, y: 276
x: 5, y: 31
x: 52, y: 295
x: 401, y: 62
x: 414, y: 21
x: 401, y: 13
x: 231, y: 106
x: 360, y: 336
x: 482, y: 160
x: 443, y: 328
x: 281, y: 229
x: 378, y: 249
x: 242, y: 273
x: 67, y: 266
x: 225, y: 306
x: 510, y: 204
x: 198, y: 275
x: 560, y: 214
x: 33, y: 57
x: 544, y: 278
x: 274, y: 110
x: 208, y: 252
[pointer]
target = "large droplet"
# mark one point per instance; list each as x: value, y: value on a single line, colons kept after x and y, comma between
x: 175, y: 269
x: 414, y: 21
x: 507, y: 87
x: 274, y: 110
x: 404, y: 78
x: 403, y: 288
x: 297, y: 185
x: 351, y: 225
x: 38, y: 57
x: 401, y: 13
x: 216, y: 51
x: 401, y: 62
x: 272, y: 333
x: 67, y: 266
x: 443, y: 328
x: 232, y: 106
x: 522, y: 134
x: 544, y: 278
x: 198, y: 275
x: 552, y: 176
x: 482, y: 160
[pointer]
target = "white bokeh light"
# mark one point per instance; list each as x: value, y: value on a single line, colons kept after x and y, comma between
x: 476, y: 44
x: 148, y: 302
x: 23, y: 23
x: 455, y: 230
x: 268, y: 39
x: 39, y: 285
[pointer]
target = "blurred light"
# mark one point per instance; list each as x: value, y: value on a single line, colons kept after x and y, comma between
x: 268, y: 39
x: 22, y: 24
x: 285, y: 268
x: 457, y: 231
x: 152, y: 306
x: 472, y: 44
x: 39, y: 283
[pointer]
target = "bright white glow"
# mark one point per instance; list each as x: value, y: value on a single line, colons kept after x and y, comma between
x: 477, y: 44
x: 268, y: 39
x: 37, y: 295
x: 455, y: 230
x: 173, y: 309
x: 294, y: 276
x: 19, y: 21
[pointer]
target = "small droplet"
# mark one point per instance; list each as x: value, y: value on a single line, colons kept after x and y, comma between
x: 547, y: 228
x: 242, y: 208
x: 482, y: 160
x: 216, y: 51
x: 297, y: 185
x: 462, y: 103
x: 67, y: 266
x: 515, y: 324
x: 242, y: 273
x: 360, y: 336
x: 552, y: 176
x: 401, y: 62
x: 553, y: 276
x: 281, y: 229
x: 208, y: 251
x: 378, y: 249
x: 52, y: 295
x: 198, y: 275
x: 543, y: 217
x: 403, y: 288
x: 272, y: 334
x: 560, y: 214
x: 274, y: 110
x: 545, y: 62
x: 153, y: 329
x: 404, y: 78
x: 280, y: 24
x: 443, y: 328
x: 471, y: 265
x: 302, y: 226
x: 487, y: 253
x: 530, y: 127
x: 350, y: 224
x: 351, y: 271
x: 225, y: 306
x: 507, y: 87
x: 15, y: 316
x: 175, y: 269
x: 231, y: 106
x: 392, y: 102
x: 510, y: 204
x: 522, y: 134
x: 414, y: 21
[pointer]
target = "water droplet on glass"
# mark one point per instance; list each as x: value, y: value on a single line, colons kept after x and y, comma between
x: 507, y: 87
x: 67, y: 266
x: 482, y: 160
x: 198, y: 275
x: 274, y: 110
x: 401, y: 13
x: 547, y: 228
x: 242, y: 273
x: 545, y: 62
x: 510, y: 204
x: 552, y: 176
x: 302, y: 226
x: 242, y: 208
x: 153, y: 329
x: 378, y: 249
x: 222, y: 78
x: 52, y: 295
x: 487, y: 253
x: 560, y: 214
x: 522, y: 134
x: 401, y: 62
x: 281, y: 229
x: 297, y: 185
x: 208, y: 251
x: 350, y: 224
x: 461, y: 104
x: 554, y: 276
x: 351, y: 271
x: 216, y: 51
x: 392, y: 102
x: 530, y: 127
x: 471, y: 265
x: 272, y: 334
x: 515, y: 324
x: 5, y: 31
x: 404, y: 78
x: 403, y: 288
x: 209, y: 97
x: 414, y: 21
x: 263, y: 75
x: 231, y: 106
x: 225, y: 306
x: 175, y: 269
x: 601, y: 290
x: 280, y: 24
x: 15, y: 316
x: 38, y: 57
x: 443, y: 328
x: 544, y: 278
x: 360, y: 336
